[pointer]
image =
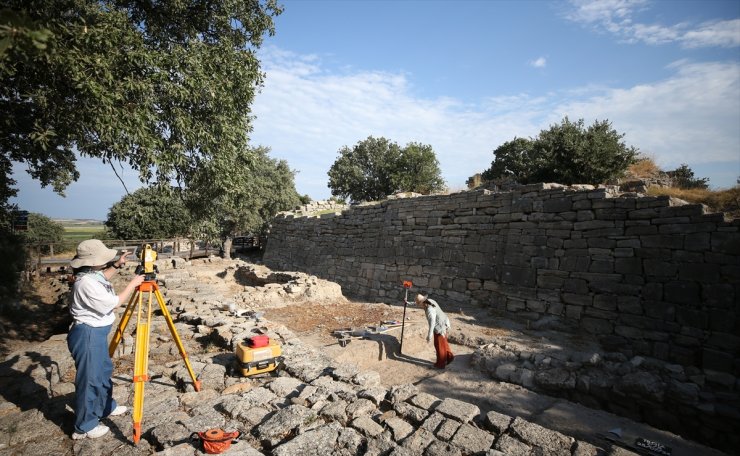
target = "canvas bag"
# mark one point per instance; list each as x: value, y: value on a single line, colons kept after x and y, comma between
x: 216, y: 441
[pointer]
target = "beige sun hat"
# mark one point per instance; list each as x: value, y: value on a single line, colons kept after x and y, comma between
x: 420, y: 298
x: 92, y: 252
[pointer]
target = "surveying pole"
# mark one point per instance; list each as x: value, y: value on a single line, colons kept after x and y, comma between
x: 143, y: 325
x: 406, y: 284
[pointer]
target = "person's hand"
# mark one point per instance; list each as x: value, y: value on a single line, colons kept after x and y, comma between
x: 429, y: 338
x: 137, y: 280
x: 122, y: 259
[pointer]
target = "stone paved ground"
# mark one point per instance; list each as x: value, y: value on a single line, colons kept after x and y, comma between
x: 316, y: 404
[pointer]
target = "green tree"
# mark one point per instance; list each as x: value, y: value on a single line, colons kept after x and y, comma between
x: 418, y: 170
x: 162, y: 86
x: 683, y: 177
x: 376, y: 167
x: 43, y: 232
x: 149, y: 213
x: 240, y: 193
x: 513, y: 159
x: 567, y: 153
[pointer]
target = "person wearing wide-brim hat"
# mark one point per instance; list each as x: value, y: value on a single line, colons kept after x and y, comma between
x: 439, y: 325
x: 92, y: 306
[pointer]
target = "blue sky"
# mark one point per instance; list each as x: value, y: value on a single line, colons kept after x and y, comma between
x: 465, y: 76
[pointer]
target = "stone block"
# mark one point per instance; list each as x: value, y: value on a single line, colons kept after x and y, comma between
x: 283, y: 422
x: 630, y: 265
x: 447, y: 429
x: 438, y: 448
x: 360, y: 407
x: 472, y: 440
x: 511, y: 446
x: 410, y: 412
x: 400, y: 393
x: 322, y: 440
x: 706, y: 273
x: 717, y: 360
x: 433, y: 421
x: 597, y: 325
x: 399, y: 428
x: 424, y: 400
x: 683, y: 292
x: 551, y: 442
x: 367, y: 426
x: 459, y: 410
x: 418, y: 441
x: 497, y: 422
x: 376, y: 394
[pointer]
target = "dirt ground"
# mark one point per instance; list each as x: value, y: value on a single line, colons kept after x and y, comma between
x: 36, y: 316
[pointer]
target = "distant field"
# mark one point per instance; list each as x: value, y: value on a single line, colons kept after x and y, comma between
x: 76, y: 231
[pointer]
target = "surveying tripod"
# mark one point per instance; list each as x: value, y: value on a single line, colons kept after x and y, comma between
x: 143, y: 322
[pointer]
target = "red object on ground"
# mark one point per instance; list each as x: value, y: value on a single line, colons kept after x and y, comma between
x: 259, y: 341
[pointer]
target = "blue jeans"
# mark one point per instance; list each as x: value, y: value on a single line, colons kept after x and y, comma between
x: 93, y: 385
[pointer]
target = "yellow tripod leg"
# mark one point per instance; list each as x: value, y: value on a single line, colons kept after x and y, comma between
x: 176, y: 337
x: 118, y: 335
x: 141, y: 359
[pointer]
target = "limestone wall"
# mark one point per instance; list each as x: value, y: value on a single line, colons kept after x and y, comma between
x: 645, y: 274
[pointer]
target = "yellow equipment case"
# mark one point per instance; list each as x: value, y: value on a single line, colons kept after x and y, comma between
x: 257, y: 360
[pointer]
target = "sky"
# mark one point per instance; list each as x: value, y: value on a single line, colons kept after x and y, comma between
x: 466, y: 76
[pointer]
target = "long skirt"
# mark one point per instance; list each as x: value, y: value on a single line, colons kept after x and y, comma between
x: 444, y: 354
x: 93, y: 384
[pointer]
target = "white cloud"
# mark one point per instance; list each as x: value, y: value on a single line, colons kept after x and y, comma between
x: 307, y: 116
x: 616, y: 17
x: 540, y: 62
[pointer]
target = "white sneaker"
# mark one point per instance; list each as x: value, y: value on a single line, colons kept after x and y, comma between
x: 119, y: 410
x: 98, y: 431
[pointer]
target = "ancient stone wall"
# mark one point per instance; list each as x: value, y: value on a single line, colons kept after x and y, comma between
x: 647, y: 276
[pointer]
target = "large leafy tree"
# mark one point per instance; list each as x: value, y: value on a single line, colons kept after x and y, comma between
x: 240, y: 193
x: 377, y: 167
x: 149, y: 213
x: 161, y: 85
x: 568, y: 153
x: 43, y: 232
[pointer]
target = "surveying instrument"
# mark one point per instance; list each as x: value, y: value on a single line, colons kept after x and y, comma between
x: 143, y: 321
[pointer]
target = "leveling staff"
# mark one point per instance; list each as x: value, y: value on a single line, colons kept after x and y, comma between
x: 93, y: 302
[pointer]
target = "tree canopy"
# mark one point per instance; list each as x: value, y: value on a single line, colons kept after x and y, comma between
x: 42, y: 230
x: 162, y: 86
x: 683, y: 177
x: 377, y: 167
x: 567, y: 153
x: 149, y: 213
x: 240, y: 193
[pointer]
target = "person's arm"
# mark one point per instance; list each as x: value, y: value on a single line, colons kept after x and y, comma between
x: 135, y: 282
x: 432, y: 318
x: 110, y: 271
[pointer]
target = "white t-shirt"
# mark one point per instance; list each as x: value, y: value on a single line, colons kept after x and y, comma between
x: 93, y: 301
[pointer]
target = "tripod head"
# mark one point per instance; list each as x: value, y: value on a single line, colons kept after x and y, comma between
x: 147, y: 266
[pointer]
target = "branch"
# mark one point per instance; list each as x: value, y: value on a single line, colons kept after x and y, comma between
x: 119, y: 177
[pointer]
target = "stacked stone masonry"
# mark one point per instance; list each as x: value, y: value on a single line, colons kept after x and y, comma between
x: 649, y: 276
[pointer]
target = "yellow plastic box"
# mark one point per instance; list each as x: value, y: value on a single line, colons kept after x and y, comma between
x: 253, y: 361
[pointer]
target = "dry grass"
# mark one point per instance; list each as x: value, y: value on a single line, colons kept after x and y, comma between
x: 727, y: 201
x: 644, y: 168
